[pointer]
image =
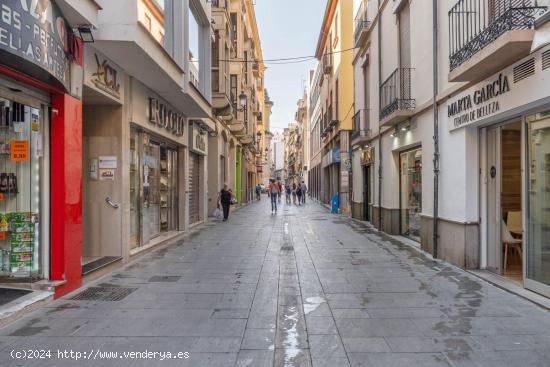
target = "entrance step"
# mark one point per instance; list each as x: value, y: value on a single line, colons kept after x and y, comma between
x: 20, y: 302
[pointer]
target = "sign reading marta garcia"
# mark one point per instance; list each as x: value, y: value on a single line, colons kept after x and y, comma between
x: 479, y: 104
x: 36, y: 32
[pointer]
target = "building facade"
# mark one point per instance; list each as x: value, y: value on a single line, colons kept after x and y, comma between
x: 122, y: 141
x: 334, y: 52
x: 448, y: 135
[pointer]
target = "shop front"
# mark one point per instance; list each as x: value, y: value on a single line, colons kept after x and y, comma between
x: 103, y: 114
x: 156, y: 174
x: 40, y: 148
x: 24, y: 244
x: 410, y: 193
x: 198, y: 150
x: 508, y: 118
x: 363, y: 183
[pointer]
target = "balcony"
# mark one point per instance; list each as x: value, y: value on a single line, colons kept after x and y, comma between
x: 362, y: 25
x: 488, y: 35
x: 396, y: 102
x: 256, y: 69
x: 327, y: 64
x: 220, y: 4
x: 361, y: 132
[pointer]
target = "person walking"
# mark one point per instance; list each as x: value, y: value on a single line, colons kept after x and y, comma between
x: 304, y: 191
x: 294, y: 193
x: 224, y: 199
x: 258, y: 191
x: 299, y: 194
x: 274, y: 192
x: 280, y: 190
x: 288, y: 193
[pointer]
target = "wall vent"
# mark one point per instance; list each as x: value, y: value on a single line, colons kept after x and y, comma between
x: 524, y: 70
x: 546, y: 60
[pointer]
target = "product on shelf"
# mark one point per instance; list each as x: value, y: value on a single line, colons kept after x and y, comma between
x: 22, y: 228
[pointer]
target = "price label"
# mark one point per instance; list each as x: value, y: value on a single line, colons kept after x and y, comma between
x: 20, y: 150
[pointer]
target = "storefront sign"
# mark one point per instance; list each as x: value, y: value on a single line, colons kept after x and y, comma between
x: 19, y: 150
x: 198, y: 140
x: 367, y: 156
x: 106, y: 174
x: 481, y: 103
x: 101, y: 74
x: 336, y: 156
x: 108, y: 162
x: 162, y: 116
x: 35, y: 32
x: 345, y: 180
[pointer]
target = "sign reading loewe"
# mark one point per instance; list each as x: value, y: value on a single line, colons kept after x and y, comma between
x: 36, y: 32
x: 162, y: 116
x: 479, y: 104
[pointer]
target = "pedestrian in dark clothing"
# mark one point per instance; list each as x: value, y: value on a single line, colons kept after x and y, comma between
x: 288, y: 193
x: 299, y: 194
x: 224, y: 199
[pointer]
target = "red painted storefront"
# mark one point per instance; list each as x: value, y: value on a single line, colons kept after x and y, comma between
x: 66, y: 180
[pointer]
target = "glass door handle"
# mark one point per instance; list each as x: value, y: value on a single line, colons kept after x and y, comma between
x: 110, y: 201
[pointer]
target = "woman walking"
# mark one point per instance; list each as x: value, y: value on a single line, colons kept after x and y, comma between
x: 294, y: 193
x: 224, y: 199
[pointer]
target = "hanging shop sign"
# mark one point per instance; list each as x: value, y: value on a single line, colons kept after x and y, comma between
x: 161, y: 115
x: 476, y: 105
x: 34, y: 39
x: 367, y: 156
x: 102, y: 75
x: 198, y: 140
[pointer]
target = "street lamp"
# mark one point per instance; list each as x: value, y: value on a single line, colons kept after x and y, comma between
x: 259, y: 136
x: 242, y: 101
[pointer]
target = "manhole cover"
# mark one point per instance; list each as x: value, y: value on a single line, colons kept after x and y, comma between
x: 287, y: 248
x: 103, y: 294
x: 359, y: 262
x: 354, y: 252
x: 164, y: 279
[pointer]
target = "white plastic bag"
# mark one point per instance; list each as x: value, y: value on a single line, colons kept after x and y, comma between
x: 217, y: 214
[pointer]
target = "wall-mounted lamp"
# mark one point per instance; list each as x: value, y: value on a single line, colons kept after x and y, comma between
x: 242, y: 101
x: 86, y: 34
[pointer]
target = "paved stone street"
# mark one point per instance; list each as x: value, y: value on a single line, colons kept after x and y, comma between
x: 300, y: 288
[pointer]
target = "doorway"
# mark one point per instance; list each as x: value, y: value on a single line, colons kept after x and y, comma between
x: 504, y: 201
x: 366, y: 193
x: 410, y: 164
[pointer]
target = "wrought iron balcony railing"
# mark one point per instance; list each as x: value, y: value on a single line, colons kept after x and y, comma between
x: 219, y: 3
x: 395, y: 93
x: 473, y: 25
x: 361, y: 124
x: 361, y: 22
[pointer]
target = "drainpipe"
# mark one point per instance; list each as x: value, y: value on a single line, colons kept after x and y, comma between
x: 379, y: 127
x: 436, y: 133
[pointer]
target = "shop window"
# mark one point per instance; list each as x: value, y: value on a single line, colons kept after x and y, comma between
x: 21, y: 162
x: 538, y: 244
x: 153, y: 188
x: 411, y: 193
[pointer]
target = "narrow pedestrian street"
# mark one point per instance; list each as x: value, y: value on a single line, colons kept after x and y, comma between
x: 299, y: 288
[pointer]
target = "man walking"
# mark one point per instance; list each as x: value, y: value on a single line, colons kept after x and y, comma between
x: 224, y: 199
x: 304, y: 191
x: 258, y: 191
x: 280, y: 190
x: 274, y: 193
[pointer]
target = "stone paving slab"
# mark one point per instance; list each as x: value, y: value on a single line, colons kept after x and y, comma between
x: 300, y: 288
